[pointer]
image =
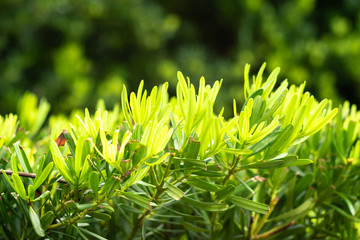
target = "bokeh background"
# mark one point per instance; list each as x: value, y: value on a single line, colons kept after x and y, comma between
x: 75, y: 52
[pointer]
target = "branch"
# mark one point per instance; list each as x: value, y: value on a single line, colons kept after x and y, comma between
x: 29, y: 175
x: 273, y: 231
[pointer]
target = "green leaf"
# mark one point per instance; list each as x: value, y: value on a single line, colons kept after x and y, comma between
x: 270, y: 82
x: 107, y: 208
x: 174, y: 191
x: 100, y: 215
x: 70, y: 142
x: 139, y: 200
x: 321, y: 123
x: 276, y: 162
x: 24, y: 162
x: 296, y: 213
x: 275, y: 101
x: 237, y: 151
x: 80, y: 233
x: 248, y: 186
x: 207, y: 206
x: 258, y: 110
x: 304, y: 183
x: 84, y: 206
x: 60, y: 163
x: 192, y: 162
x: 47, y: 219
x: 223, y: 193
x: 249, y: 204
x: 299, y: 162
x: 14, y: 164
x: 40, y: 167
x: 36, y: 222
x: 192, y: 148
x: 41, y: 113
x: 208, y: 173
x: 280, y: 141
x: 78, y: 155
x: 199, y: 183
x: 94, y: 182
x: 31, y: 192
x: 264, y: 164
x: 92, y: 234
x: 19, y: 186
x: 43, y: 195
x: 137, y: 175
x: 194, y: 228
x: 7, y: 179
x: 253, y: 95
x: 155, y: 161
x: 244, y: 184
x: 343, y: 213
x: 138, y: 151
x: 348, y: 202
x: 44, y: 174
x: 265, y: 142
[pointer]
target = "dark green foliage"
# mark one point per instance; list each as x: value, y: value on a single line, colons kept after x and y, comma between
x: 72, y: 52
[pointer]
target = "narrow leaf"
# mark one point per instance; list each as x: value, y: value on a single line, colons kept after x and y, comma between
x: 94, y: 182
x: 44, y: 174
x: 78, y: 155
x: 199, y: 183
x: 7, y: 179
x: 92, y: 234
x: 36, y: 222
x: 47, y: 219
x: 237, y: 151
x: 100, y: 215
x: 138, y: 199
x: 19, y: 186
x: 299, y: 162
x: 295, y: 213
x: 207, y: 206
x: 223, y: 193
x: 249, y: 204
x: 24, y: 162
x: 174, y: 191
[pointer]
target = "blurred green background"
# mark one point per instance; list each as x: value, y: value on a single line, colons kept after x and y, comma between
x: 74, y: 52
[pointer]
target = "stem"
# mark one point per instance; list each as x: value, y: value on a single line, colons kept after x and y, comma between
x: 23, y: 234
x: 70, y: 221
x: 29, y: 175
x: 158, y: 191
x: 213, y: 223
x: 231, y: 170
x: 273, y: 231
x: 273, y: 202
x: 138, y: 225
x: 215, y: 215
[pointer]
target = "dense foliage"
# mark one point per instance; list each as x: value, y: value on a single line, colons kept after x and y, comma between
x: 72, y: 52
x: 285, y: 166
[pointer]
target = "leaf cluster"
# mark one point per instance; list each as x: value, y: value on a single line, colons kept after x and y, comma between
x: 171, y: 167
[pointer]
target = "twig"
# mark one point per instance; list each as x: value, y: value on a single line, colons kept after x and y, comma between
x: 158, y: 191
x: 273, y: 231
x: 29, y: 175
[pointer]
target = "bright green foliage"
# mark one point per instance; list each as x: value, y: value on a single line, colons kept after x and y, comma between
x: 8, y: 125
x: 31, y: 116
x: 163, y: 168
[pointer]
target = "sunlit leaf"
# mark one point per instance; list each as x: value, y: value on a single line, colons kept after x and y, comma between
x: 36, y: 222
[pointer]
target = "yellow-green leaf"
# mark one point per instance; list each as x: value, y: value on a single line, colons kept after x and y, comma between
x: 36, y: 222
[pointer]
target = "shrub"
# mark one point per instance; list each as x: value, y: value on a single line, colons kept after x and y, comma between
x: 283, y: 166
